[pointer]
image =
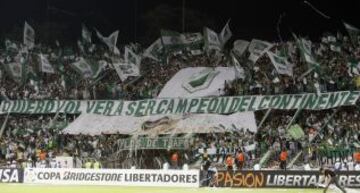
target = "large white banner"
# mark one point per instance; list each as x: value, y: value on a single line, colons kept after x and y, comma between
x: 91, y: 124
x: 162, y: 178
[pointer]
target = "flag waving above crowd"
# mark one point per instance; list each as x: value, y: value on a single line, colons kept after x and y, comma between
x: 29, y: 36
x: 257, y: 48
x: 45, y: 65
x: 110, y: 41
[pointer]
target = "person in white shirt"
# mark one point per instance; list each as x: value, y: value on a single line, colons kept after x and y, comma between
x: 337, y: 165
x: 13, y: 164
x: 53, y: 163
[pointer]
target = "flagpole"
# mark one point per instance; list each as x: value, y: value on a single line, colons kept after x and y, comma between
x: 293, y: 119
x: 264, y: 117
x: 4, y: 125
x: 183, y: 16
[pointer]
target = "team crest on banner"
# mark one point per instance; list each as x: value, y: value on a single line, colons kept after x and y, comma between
x: 200, y: 80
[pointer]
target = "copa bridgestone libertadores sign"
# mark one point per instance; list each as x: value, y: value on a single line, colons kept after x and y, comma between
x: 285, y: 179
x: 179, y: 106
x: 63, y: 176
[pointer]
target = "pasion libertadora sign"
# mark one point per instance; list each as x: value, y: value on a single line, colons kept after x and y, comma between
x: 167, y: 106
x: 287, y: 179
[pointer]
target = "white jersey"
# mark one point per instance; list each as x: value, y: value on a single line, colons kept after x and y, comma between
x: 28, y: 164
x: 357, y: 167
x: 53, y: 163
x: 43, y: 164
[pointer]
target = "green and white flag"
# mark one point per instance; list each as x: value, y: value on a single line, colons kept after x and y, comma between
x: 10, y: 45
x: 45, y: 65
x: 305, y: 50
x: 29, y: 36
x: 296, y: 132
x: 125, y: 70
x: 131, y: 57
x: 85, y: 34
x: 240, y: 47
x: 110, y: 41
x: 154, y: 51
x: 239, y: 70
x: 281, y: 64
x: 212, y: 40
x: 331, y: 38
x: 198, y: 81
x: 173, y: 41
x: 335, y: 47
x: 353, y: 66
x: 16, y: 68
x: 225, y: 34
x: 353, y: 33
x: 87, y: 68
x: 257, y: 48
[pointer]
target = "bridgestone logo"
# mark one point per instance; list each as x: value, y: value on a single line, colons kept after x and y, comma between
x: 136, y: 177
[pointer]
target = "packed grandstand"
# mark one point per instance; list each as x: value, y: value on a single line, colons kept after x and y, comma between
x: 187, y: 101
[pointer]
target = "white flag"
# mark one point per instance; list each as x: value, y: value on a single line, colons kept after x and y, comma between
x: 240, y: 46
x: 281, y: 64
x: 131, y: 57
x: 125, y: 70
x: 353, y: 32
x: 45, y: 65
x: 225, y: 34
x: 83, y: 67
x: 88, y: 68
x: 85, y: 34
x: 29, y: 36
x: 174, y: 41
x: 154, y: 50
x: 239, y: 70
x: 212, y: 41
x: 257, y: 48
x: 110, y: 41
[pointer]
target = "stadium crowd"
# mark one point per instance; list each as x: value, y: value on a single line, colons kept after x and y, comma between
x: 335, y: 132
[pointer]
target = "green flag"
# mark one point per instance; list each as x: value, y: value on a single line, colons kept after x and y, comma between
x: 296, y: 132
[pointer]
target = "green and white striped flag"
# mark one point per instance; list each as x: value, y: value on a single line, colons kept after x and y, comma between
x: 353, y: 33
x: 173, y: 41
